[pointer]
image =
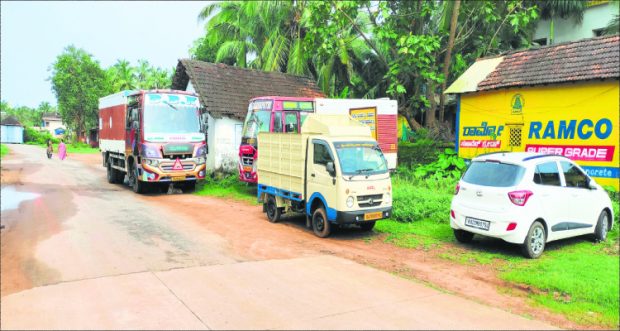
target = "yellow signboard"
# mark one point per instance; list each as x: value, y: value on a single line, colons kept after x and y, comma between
x: 367, y: 116
x: 579, y: 121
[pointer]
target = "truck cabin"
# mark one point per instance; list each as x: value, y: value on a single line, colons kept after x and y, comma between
x: 275, y: 114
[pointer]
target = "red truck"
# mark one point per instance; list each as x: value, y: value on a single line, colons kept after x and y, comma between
x: 155, y: 137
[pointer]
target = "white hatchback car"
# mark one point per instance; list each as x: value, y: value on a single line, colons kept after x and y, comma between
x: 528, y: 199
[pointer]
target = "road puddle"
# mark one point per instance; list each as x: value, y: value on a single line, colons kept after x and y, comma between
x: 11, y: 198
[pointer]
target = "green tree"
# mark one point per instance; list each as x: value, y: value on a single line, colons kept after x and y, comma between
x: 122, y: 76
x: 78, y: 82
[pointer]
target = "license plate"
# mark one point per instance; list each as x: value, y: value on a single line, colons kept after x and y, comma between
x: 178, y: 178
x: 373, y: 216
x: 247, y: 168
x: 478, y: 224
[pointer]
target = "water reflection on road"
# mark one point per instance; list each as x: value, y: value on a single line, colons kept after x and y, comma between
x: 10, y: 198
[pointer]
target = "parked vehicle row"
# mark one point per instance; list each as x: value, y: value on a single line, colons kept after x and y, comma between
x: 333, y: 168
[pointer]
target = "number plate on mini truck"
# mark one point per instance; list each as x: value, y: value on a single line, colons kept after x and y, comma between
x: 178, y: 178
x: 373, y: 216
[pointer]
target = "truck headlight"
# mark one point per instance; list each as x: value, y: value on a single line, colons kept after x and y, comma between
x: 387, y: 198
x: 201, y: 160
x: 350, y: 202
x: 201, y: 151
x: 151, y: 162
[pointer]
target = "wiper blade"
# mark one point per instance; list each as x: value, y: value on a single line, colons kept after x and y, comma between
x: 170, y: 105
x: 359, y: 171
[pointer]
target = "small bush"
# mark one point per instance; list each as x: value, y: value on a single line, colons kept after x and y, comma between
x: 32, y: 136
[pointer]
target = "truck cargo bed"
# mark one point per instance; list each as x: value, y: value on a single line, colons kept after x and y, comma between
x: 282, y: 159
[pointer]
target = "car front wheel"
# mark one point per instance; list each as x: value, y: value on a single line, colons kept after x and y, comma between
x: 534, y: 244
x: 600, y: 232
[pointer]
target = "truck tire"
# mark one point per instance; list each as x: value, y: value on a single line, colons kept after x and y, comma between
x: 367, y: 226
x: 114, y: 176
x: 272, y: 210
x: 137, y: 185
x: 320, y: 224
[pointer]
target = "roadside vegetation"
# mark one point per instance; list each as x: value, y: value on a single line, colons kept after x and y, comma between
x: 226, y: 186
x: 4, y: 150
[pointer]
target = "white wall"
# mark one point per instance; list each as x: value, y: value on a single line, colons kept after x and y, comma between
x: 224, y: 137
x: 11, y: 134
x: 594, y: 18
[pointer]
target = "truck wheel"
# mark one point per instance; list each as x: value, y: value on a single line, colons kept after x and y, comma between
x: 111, y: 172
x: 367, y: 226
x: 137, y: 185
x: 273, y: 212
x: 320, y: 224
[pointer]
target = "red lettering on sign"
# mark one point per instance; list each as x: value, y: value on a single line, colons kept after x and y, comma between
x: 480, y: 143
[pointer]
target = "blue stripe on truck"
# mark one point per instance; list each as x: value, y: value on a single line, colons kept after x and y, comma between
x: 331, y: 212
x: 277, y: 192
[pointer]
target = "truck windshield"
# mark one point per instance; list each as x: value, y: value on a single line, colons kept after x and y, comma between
x: 164, y: 116
x: 255, y: 122
x: 360, y: 157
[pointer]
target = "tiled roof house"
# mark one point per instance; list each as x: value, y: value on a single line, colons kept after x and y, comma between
x: 560, y: 99
x: 225, y: 92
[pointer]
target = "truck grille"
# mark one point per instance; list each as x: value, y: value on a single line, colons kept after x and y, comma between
x: 372, y: 200
x: 247, y: 159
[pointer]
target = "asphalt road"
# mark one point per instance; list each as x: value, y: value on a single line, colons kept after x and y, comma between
x: 79, y: 253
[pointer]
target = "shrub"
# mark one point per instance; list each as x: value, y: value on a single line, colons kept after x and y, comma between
x: 447, y: 165
x: 31, y: 135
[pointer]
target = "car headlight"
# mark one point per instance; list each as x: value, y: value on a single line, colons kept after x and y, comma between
x: 350, y: 202
x: 387, y: 198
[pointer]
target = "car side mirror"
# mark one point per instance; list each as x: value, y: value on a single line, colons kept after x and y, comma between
x: 330, y: 168
x: 592, y: 185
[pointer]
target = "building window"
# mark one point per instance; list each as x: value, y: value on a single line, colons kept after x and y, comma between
x: 598, y: 32
x: 47, y: 124
x: 515, y: 137
x: 541, y: 41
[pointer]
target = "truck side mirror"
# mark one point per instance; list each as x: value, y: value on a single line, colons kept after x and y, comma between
x: 330, y: 168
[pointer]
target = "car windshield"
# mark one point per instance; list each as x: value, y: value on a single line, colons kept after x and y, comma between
x: 255, y: 122
x: 166, y: 117
x: 360, y: 157
x: 493, y: 173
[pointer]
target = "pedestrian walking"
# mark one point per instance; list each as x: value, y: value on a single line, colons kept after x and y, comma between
x: 50, y: 148
x: 62, y: 150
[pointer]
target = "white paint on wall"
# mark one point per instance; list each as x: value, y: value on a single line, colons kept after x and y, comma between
x: 594, y: 18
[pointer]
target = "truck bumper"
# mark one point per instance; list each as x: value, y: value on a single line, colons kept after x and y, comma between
x: 348, y: 217
x: 153, y: 174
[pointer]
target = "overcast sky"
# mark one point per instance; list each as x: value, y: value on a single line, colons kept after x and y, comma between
x: 35, y: 33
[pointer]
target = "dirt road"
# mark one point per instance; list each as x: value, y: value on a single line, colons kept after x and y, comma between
x: 78, y: 253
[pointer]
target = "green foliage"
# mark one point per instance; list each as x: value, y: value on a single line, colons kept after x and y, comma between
x: 78, y: 82
x: 416, y: 200
x: 4, y: 150
x: 226, y: 186
x: 448, y: 165
x: 38, y: 137
x: 28, y: 116
x: 122, y: 76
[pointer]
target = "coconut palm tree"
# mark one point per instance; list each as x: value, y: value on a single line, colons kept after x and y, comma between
x: 552, y: 9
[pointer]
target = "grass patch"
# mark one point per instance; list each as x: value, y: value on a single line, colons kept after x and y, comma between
x: 4, y: 150
x: 227, y: 186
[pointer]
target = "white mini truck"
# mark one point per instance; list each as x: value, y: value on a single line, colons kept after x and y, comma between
x: 333, y: 172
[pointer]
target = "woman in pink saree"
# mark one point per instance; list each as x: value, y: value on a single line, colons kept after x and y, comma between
x: 62, y: 150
